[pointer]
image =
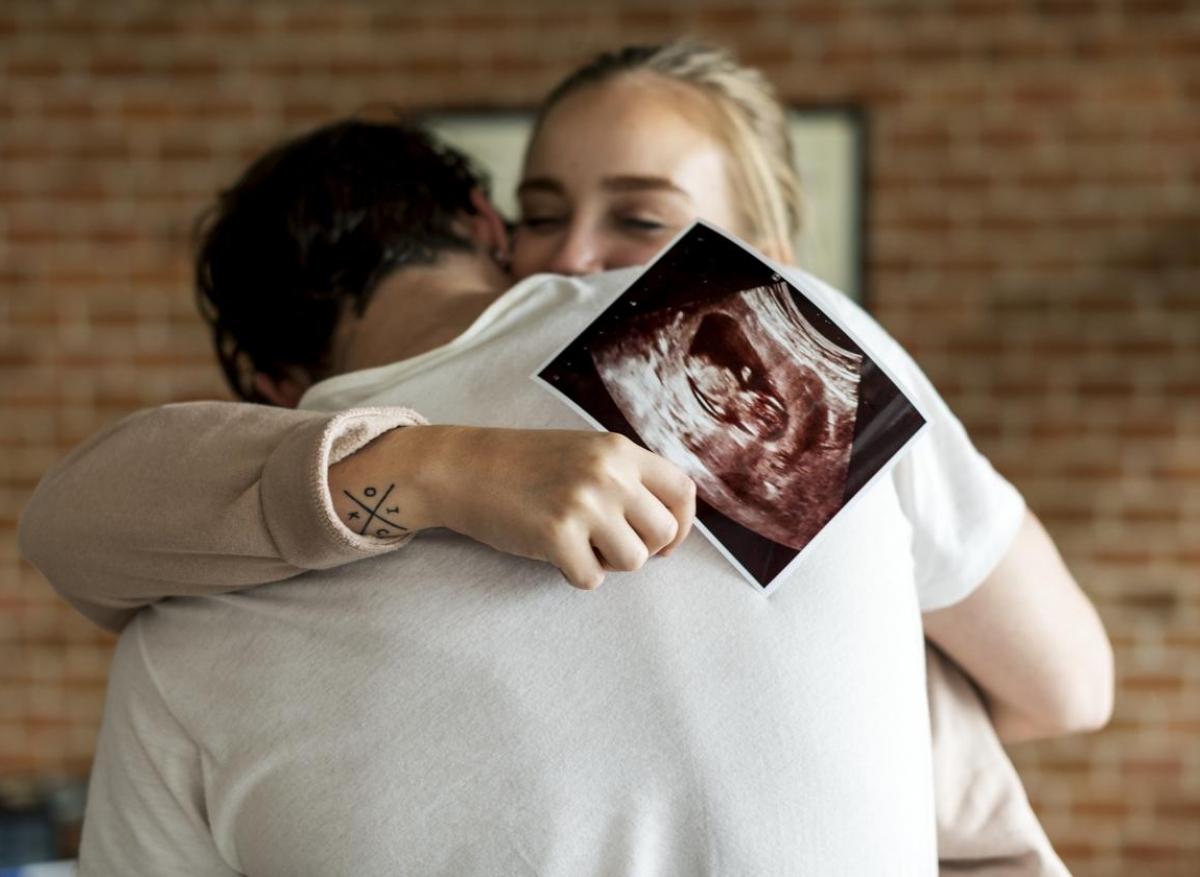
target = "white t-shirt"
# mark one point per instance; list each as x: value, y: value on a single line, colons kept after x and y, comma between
x: 448, y: 709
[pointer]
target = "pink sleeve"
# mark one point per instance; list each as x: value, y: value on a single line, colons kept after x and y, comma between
x: 986, y: 826
x: 197, y: 498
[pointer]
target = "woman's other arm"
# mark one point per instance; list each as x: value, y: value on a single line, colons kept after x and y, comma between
x: 995, y: 594
x: 1032, y: 641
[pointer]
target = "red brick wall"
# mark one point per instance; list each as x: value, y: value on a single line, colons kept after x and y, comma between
x: 1034, y: 238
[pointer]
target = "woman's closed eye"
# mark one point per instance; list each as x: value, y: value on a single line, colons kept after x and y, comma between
x: 648, y: 215
x: 640, y: 224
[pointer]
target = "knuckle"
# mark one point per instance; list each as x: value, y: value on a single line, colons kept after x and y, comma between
x: 602, y: 474
x: 576, y: 495
x: 657, y: 535
x: 591, y: 459
x: 581, y: 503
x: 643, y: 555
x: 613, y: 440
x: 575, y: 489
x: 666, y: 531
x: 559, y: 532
x: 635, y: 558
x: 610, y: 448
x: 588, y: 583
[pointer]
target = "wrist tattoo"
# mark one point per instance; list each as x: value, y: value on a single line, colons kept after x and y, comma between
x: 376, y: 521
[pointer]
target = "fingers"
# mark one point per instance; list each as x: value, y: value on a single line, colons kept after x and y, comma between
x: 675, y: 490
x: 614, y: 545
x: 653, y: 522
x: 621, y: 506
x: 621, y: 548
x: 685, y: 512
x: 577, y: 561
x: 624, y: 545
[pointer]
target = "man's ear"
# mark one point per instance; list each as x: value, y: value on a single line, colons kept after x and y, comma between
x: 284, y: 392
x: 489, y: 230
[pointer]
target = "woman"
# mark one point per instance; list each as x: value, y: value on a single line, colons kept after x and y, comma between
x: 632, y: 147
x: 669, y: 135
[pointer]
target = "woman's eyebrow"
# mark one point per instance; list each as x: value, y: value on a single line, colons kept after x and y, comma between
x: 633, y: 183
x: 622, y: 183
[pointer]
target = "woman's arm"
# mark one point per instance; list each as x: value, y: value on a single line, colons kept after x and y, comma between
x: 1027, y: 636
x: 583, y: 501
x: 1032, y: 641
x: 210, y: 497
x: 194, y: 499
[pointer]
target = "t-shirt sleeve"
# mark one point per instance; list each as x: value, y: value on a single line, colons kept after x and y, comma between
x: 964, y: 515
x: 146, y: 813
x: 196, y: 499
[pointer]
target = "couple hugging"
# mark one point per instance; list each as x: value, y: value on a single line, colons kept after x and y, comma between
x: 322, y: 698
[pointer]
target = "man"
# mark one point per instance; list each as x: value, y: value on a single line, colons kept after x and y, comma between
x: 451, y: 710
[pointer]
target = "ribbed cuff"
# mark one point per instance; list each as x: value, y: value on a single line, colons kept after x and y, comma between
x: 295, y: 487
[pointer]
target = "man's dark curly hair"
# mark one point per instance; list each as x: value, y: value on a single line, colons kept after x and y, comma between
x: 309, y: 231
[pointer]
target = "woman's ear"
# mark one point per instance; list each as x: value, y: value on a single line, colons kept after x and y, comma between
x: 489, y: 230
x: 284, y: 392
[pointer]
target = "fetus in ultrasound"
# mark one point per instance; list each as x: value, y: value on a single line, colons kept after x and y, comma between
x: 729, y: 380
x: 748, y: 398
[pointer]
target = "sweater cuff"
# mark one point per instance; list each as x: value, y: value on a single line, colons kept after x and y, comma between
x: 297, y: 508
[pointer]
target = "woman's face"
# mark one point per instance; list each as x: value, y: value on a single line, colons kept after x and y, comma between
x: 613, y: 173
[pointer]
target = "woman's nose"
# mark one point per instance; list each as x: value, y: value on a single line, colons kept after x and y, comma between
x: 577, y: 253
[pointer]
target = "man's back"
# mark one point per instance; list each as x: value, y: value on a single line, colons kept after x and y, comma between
x: 492, y: 720
x: 450, y: 710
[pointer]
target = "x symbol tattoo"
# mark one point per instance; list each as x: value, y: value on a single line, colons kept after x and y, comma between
x: 373, y: 513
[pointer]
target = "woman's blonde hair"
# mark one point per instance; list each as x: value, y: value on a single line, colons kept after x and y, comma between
x: 750, y: 122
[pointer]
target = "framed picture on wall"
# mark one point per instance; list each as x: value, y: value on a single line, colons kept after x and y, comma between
x: 830, y: 155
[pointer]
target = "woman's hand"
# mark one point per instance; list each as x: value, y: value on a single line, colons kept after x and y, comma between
x: 584, y: 501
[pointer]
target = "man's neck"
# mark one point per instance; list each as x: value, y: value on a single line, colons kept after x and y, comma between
x: 414, y: 310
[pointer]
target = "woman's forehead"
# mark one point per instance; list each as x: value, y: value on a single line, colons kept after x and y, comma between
x: 632, y: 125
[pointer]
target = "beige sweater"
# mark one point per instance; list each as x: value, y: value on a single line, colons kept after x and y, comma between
x: 195, y: 499
x: 205, y: 498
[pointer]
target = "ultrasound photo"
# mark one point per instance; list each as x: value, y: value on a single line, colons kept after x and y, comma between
x: 718, y: 363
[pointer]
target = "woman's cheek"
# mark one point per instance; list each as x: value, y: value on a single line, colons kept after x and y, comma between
x: 626, y: 254
x: 534, y: 253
